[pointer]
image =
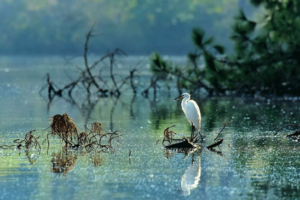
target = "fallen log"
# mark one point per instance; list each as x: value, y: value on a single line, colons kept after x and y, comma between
x: 184, y: 144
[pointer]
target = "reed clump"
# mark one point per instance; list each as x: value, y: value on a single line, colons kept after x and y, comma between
x: 66, y: 129
x: 96, y: 127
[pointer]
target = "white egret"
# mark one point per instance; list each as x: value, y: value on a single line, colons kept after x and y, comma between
x: 191, y: 111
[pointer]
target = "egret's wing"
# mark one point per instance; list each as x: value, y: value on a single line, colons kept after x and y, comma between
x: 187, y: 114
x: 193, y: 113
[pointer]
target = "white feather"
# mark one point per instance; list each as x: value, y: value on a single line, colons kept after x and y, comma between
x: 191, y: 111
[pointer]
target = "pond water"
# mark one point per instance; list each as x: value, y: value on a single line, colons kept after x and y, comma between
x: 251, y: 163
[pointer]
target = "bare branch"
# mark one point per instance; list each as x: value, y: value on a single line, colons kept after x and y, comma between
x: 86, y: 59
x: 221, y: 130
x: 285, y: 127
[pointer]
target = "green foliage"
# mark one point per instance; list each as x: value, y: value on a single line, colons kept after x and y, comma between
x: 161, y: 68
x: 219, y: 48
x: 158, y: 64
x: 241, y: 16
x: 192, y: 76
x: 256, y: 2
x: 198, y: 36
x: 266, y: 57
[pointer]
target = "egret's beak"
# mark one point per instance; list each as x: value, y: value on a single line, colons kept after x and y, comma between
x: 180, y: 97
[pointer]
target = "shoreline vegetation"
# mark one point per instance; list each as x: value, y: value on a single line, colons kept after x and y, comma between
x: 265, y: 61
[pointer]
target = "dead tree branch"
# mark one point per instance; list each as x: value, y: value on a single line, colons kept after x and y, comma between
x: 215, y: 144
x: 285, y: 127
x: 88, y: 80
x: 221, y: 130
x: 86, y: 59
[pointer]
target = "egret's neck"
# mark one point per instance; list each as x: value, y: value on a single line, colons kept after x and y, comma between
x: 185, y: 100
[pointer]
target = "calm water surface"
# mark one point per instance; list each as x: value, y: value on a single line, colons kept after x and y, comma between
x: 251, y: 162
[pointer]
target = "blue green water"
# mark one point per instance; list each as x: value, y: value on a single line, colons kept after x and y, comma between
x: 252, y: 164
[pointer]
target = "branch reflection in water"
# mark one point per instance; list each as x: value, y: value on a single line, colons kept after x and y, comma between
x: 32, y: 156
x: 63, y: 161
x: 96, y: 159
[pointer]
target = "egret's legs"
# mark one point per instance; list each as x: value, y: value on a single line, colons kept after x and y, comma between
x: 192, y: 133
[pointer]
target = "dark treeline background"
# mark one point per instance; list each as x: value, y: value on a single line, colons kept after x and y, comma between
x: 137, y: 27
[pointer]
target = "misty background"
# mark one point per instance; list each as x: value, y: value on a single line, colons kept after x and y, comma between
x: 137, y: 27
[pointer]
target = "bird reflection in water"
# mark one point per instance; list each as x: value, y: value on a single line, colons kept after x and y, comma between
x: 191, y: 177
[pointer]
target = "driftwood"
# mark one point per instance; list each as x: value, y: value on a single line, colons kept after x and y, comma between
x: 215, y: 144
x: 187, y: 143
x: 285, y: 127
x: 295, y: 134
x: 184, y: 144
